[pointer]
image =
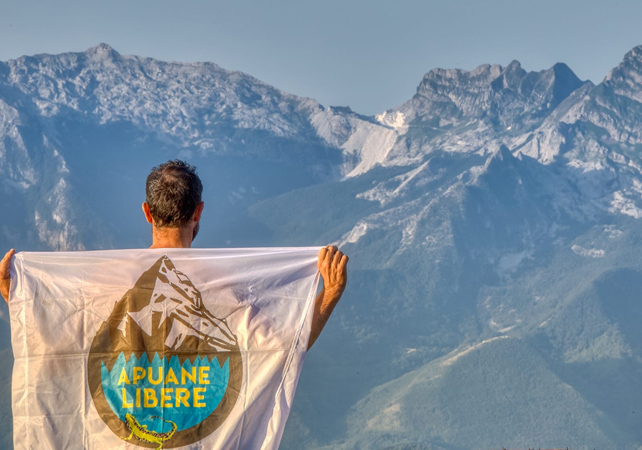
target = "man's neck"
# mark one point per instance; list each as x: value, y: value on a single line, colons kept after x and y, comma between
x: 172, y: 237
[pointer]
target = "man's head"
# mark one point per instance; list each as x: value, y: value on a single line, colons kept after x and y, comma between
x: 173, y: 196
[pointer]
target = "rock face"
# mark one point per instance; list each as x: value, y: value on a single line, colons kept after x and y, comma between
x: 55, y: 107
x: 506, y: 96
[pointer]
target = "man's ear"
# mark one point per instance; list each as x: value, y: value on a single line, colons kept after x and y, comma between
x: 148, y: 213
x: 198, y: 211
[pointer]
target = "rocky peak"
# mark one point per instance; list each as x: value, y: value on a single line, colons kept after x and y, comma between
x: 510, y: 77
x: 102, y: 52
x: 499, y: 163
x: 626, y: 78
x: 441, y: 80
x: 635, y: 54
x: 552, y: 86
x: 506, y: 95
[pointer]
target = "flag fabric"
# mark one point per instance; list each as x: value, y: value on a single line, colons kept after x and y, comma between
x: 158, y: 348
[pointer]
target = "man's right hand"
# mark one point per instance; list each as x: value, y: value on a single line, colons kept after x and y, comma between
x: 332, y: 266
x: 5, y: 277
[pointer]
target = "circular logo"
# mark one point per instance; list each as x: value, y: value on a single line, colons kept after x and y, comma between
x: 162, y: 370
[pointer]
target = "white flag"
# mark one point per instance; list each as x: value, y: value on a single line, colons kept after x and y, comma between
x: 163, y: 348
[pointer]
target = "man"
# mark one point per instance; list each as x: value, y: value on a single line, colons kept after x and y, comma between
x: 173, y: 206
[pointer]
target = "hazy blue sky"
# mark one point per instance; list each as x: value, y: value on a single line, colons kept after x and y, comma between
x: 369, y: 55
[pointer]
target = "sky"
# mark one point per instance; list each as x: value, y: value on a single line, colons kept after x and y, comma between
x: 369, y: 55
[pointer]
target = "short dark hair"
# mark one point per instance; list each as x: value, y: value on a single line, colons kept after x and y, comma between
x: 173, y: 190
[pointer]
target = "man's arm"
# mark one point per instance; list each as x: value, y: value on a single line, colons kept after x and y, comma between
x: 332, y: 266
x: 5, y: 277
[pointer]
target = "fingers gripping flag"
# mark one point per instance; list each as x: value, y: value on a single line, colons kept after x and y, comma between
x: 163, y: 348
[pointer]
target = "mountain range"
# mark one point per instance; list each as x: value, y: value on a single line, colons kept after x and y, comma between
x: 492, y: 222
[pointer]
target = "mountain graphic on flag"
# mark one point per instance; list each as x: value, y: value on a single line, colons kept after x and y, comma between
x: 167, y: 369
x: 171, y: 318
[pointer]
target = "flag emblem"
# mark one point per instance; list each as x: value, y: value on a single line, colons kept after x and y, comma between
x: 163, y: 370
